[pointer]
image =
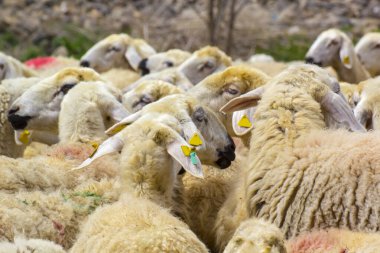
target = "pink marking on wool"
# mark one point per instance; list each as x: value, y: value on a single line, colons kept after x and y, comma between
x: 40, y: 62
x: 312, y: 241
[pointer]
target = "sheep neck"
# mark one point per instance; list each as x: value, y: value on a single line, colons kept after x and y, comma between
x: 356, y: 74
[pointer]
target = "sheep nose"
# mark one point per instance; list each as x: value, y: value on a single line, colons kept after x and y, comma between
x: 143, y: 67
x: 85, y: 63
x: 309, y: 60
x: 18, y: 122
x: 223, y: 163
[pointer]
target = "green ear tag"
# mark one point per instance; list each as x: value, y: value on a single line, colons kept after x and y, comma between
x: 193, y: 158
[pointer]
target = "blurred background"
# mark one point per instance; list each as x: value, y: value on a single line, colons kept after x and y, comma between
x: 281, y: 28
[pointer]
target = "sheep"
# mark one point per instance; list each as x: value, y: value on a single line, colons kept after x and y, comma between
x: 38, y: 107
x: 261, y: 58
x: 54, y: 216
x: 368, y: 52
x: 351, y: 92
x: 10, y: 89
x: 88, y: 110
x: 367, y: 110
x: 47, y: 66
x: 291, y: 158
x: 120, y: 78
x: 147, y: 92
x: 202, y: 63
x: 163, y: 60
x: 30, y: 246
x: 11, y: 68
x: 116, y: 51
x: 136, y: 225
x: 334, y: 48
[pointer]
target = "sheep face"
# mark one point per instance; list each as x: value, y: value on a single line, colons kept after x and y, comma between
x: 160, y: 61
x: 329, y: 48
x: 203, y: 63
x: 38, y: 107
x: 146, y: 93
x: 3, y: 68
x: 116, y: 51
x: 368, y: 51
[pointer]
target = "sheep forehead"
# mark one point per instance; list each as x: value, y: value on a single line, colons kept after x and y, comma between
x: 115, y: 38
x: 215, y: 53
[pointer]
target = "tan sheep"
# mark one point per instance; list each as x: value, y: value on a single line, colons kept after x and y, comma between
x: 297, y: 172
x: 334, y: 48
x: 116, y: 51
x: 368, y: 51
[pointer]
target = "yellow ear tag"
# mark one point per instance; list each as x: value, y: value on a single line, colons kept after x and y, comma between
x: 118, y: 129
x: 195, y: 140
x: 346, y: 60
x: 244, y: 122
x: 95, y: 145
x: 187, y: 150
x: 24, y: 137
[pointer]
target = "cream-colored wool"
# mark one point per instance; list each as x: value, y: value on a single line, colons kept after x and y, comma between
x: 88, y: 110
x: 12, y: 68
x: 54, y: 216
x: 42, y: 101
x: 135, y: 225
x: 120, y: 78
x: 117, y: 51
x: 334, y: 48
x: 148, y: 92
x: 21, y: 245
x: 367, y: 110
x: 163, y: 60
x: 351, y: 92
x: 297, y: 173
x: 59, y: 63
x: 51, y: 170
x: 368, y: 51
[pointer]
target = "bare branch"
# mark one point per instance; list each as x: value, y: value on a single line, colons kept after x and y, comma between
x: 240, y: 6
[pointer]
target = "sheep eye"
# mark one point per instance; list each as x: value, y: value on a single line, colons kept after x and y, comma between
x: 377, y: 46
x: 114, y: 49
x: 232, y: 91
x: 332, y: 42
x: 168, y: 64
x: 145, y: 99
x: 207, y: 65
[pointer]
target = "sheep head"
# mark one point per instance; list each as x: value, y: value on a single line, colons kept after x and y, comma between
x: 147, y: 92
x: 116, y: 51
x: 38, y: 107
x: 12, y: 68
x: 204, y: 62
x: 163, y: 60
x: 303, y: 79
x: 330, y: 47
x: 219, y: 88
x: 368, y: 52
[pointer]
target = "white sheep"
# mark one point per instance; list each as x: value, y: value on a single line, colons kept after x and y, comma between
x: 334, y: 48
x: 11, y: 68
x: 163, y: 60
x: 147, y: 92
x: 297, y: 173
x: 368, y: 51
x: 48, y: 66
x: 202, y: 63
x: 116, y: 51
x: 120, y: 78
x: 30, y: 246
x: 38, y: 107
x: 88, y: 110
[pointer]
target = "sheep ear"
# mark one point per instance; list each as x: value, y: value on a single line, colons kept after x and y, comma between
x: 137, y: 51
x: 115, y: 109
x: 339, y: 110
x: 192, y: 135
x: 111, y: 145
x: 123, y: 123
x: 244, y: 101
x: 242, y: 121
x: 191, y: 163
x: 346, y: 53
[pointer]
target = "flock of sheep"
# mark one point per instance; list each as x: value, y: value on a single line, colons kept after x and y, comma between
x: 130, y: 150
